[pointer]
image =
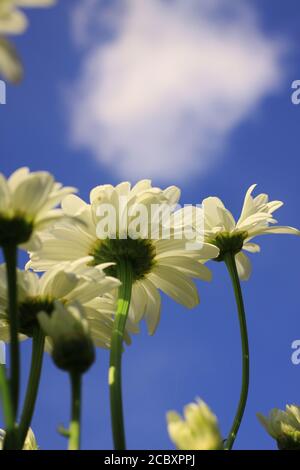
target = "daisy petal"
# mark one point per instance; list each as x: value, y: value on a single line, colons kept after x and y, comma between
x: 243, y: 266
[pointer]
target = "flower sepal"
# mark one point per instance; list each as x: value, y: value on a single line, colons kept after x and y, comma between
x: 15, y: 230
x: 229, y: 243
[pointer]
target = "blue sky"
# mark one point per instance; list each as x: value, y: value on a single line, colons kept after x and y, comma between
x: 193, y: 353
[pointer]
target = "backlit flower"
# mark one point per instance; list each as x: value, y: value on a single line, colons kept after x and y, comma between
x: 28, y: 202
x: 157, y: 262
x: 198, y: 430
x: 283, y: 426
x: 256, y: 219
x: 67, y: 282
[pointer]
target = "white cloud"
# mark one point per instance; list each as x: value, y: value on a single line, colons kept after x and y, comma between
x: 162, y: 92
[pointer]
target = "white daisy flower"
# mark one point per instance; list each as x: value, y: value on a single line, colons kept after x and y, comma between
x: 256, y: 219
x: 156, y: 263
x: 66, y: 283
x: 28, y: 202
x: 198, y: 430
x: 283, y: 426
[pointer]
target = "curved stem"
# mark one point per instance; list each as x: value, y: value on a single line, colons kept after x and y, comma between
x: 74, y: 431
x: 38, y: 344
x: 115, y: 374
x: 229, y: 259
x: 10, y: 255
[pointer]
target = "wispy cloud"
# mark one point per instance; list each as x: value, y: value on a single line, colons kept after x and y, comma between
x: 163, y: 84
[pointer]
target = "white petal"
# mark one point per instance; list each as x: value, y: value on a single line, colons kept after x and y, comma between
x: 152, y: 314
x: 175, y: 284
x: 251, y: 247
x: 256, y: 219
x: 58, y: 284
x: 141, y: 186
x: 4, y: 194
x: 17, y: 177
x: 138, y: 302
x: 10, y: 64
x: 280, y: 230
x: 30, y: 195
x: 248, y: 206
x: 210, y: 207
x: 172, y: 194
x: 243, y: 265
x: 12, y: 21
x: 73, y: 205
x: 226, y: 219
x: 35, y: 3
x: 274, y: 206
x: 187, y: 266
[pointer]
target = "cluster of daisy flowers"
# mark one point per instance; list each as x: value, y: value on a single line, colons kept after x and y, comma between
x: 96, y: 270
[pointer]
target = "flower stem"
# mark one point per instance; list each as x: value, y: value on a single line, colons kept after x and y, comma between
x: 10, y: 430
x: 10, y: 255
x: 229, y: 259
x: 115, y: 373
x: 6, y: 400
x: 38, y: 344
x: 74, y: 431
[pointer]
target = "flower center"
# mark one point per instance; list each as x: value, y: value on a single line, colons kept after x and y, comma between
x: 138, y: 253
x: 14, y: 229
x: 28, y: 311
x: 228, y: 243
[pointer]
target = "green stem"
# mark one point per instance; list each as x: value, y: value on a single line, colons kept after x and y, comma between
x: 38, y: 344
x: 74, y: 431
x: 6, y: 400
x: 229, y: 259
x: 8, y: 411
x: 115, y: 374
x: 10, y: 255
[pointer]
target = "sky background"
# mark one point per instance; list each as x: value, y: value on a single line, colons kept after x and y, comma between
x: 196, y: 95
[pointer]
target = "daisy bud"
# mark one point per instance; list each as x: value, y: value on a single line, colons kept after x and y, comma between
x: 283, y: 426
x: 68, y: 331
x: 198, y: 430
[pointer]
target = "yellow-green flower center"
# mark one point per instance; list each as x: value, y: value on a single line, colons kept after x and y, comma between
x: 138, y: 253
x: 228, y: 242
